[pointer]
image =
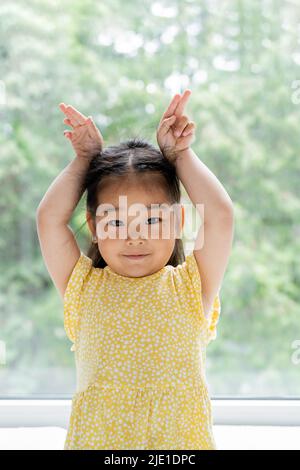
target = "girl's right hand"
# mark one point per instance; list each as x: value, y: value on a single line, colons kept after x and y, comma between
x: 85, y: 137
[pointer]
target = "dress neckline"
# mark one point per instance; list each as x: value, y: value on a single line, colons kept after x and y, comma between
x: 149, y: 277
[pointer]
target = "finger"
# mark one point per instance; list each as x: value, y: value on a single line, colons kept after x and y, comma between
x: 183, y: 121
x: 182, y: 102
x: 68, y: 122
x: 93, y: 128
x: 68, y: 134
x: 66, y: 110
x: 166, y: 124
x: 172, y: 106
x: 62, y: 106
x: 188, y: 129
x: 75, y: 116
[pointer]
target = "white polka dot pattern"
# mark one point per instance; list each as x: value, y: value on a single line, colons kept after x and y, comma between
x: 140, y: 347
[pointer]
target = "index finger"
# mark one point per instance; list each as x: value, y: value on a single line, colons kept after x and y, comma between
x: 78, y: 117
x: 172, y: 106
x: 181, y: 104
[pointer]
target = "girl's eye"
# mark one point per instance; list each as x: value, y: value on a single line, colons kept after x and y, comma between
x: 155, y: 218
x: 117, y: 220
x: 112, y: 222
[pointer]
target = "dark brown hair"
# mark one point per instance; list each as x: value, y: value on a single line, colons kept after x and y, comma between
x: 134, y: 157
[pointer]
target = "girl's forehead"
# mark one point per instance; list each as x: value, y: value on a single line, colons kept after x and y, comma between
x: 121, y: 196
x: 133, y: 207
x: 124, y: 203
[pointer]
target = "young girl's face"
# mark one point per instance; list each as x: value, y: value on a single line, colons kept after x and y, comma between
x: 126, y: 226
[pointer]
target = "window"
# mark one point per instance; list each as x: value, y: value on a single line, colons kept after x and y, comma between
x: 121, y: 64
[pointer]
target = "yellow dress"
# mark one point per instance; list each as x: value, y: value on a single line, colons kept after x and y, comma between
x: 140, y: 346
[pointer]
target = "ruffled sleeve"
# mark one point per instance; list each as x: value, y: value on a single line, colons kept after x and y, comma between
x: 211, y: 319
x: 73, y: 296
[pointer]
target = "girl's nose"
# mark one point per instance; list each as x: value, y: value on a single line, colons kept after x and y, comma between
x: 135, y: 242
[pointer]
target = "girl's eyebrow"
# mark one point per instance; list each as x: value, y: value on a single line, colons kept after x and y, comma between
x: 162, y: 205
x: 149, y: 206
x: 165, y: 207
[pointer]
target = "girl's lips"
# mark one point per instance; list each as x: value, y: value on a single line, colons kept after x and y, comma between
x: 136, y: 256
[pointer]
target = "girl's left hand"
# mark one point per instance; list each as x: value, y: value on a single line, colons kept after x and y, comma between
x: 175, y: 132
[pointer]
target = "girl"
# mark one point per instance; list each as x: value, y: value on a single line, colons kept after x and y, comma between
x: 138, y: 312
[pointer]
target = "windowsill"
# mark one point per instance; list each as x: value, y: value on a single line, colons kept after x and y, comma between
x: 226, y: 437
x: 32, y: 413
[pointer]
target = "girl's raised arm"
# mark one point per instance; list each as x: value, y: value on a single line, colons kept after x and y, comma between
x: 214, y: 240
x: 58, y: 245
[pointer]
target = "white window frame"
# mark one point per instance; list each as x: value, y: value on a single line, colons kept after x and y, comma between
x: 56, y: 412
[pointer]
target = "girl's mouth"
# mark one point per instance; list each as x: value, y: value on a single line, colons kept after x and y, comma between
x: 136, y: 256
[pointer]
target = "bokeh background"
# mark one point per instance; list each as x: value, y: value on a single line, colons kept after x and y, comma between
x: 121, y: 62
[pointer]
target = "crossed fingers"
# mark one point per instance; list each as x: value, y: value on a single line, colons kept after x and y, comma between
x: 74, y: 117
x: 177, y: 104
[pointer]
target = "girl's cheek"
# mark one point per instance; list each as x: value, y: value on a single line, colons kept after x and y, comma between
x: 108, y: 232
